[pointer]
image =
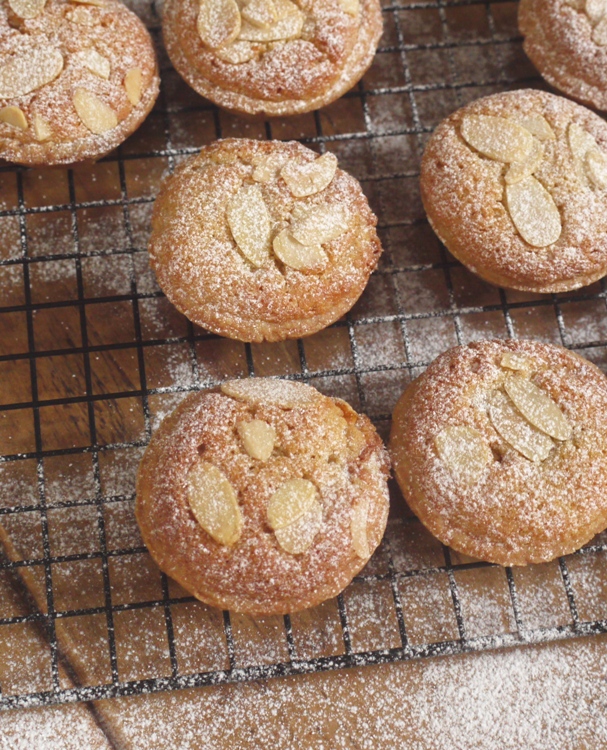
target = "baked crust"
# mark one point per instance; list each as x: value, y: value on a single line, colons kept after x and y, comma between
x: 558, y: 41
x: 328, y: 58
x: 519, y: 511
x: 322, y: 440
x: 74, y: 29
x: 464, y: 196
x: 204, y: 274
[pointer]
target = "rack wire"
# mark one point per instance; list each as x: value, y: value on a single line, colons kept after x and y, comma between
x: 72, y: 425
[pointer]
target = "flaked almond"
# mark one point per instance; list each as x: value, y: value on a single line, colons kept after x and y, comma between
x: 321, y: 224
x: 537, y: 407
x: 517, y: 431
x: 538, y: 126
x: 464, y: 452
x: 599, y: 33
x: 286, y: 394
x: 352, y: 7
x: 580, y: 141
x: 267, y: 166
x: 98, y: 3
x: 358, y: 527
x: 218, y: 22
x: 250, y: 223
x: 96, y: 63
x: 29, y: 71
x: 14, y: 117
x: 309, y: 178
x: 596, y: 168
x: 258, y: 438
x: 285, y: 8
x: 518, y: 362
x: 287, y: 27
x: 214, y: 503
x: 133, y: 85
x: 596, y: 9
x: 27, y: 8
x: 96, y: 115
x: 236, y: 53
x: 42, y: 129
x: 82, y: 17
x: 290, y: 502
x: 298, y: 537
x: 533, y: 212
x: 260, y: 13
x: 497, y: 137
x: 519, y: 170
x: 310, y: 258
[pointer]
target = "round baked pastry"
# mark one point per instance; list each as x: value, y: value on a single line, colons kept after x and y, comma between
x: 566, y: 40
x: 263, y: 496
x: 262, y: 240
x: 272, y: 57
x: 76, y: 78
x: 500, y: 448
x: 515, y: 185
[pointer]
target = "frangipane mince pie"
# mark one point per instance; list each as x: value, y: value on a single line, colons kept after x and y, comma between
x: 500, y: 448
x: 263, y: 496
x: 262, y: 240
x: 76, y: 78
x: 272, y: 57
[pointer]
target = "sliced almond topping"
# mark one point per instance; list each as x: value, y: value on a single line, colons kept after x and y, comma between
x: 267, y: 166
x: 533, y: 212
x: 520, y: 170
x: 537, y: 407
x: 285, y: 394
x: 96, y: 115
x: 96, y: 63
x: 27, y: 8
x: 539, y: 126
x: 260, y: 13
x: 98, y: 3
x: 13, y: 116
x: 596, y: 9
x: 580, y: 141
x: 358, y: 527
x: 321, y: 224
x: 133, y: 85
x: 287, y: 27
x: 599, y: 33
x: 236, y: 53
x: 292, y: 253
x: 498, y: 138
x: 596, y: 168
x: 214, y: 503
x: 311, y: 177
x: 298, y: 537
x: 29, y: 71
x: 218, y: 22
x: 290, y: 502
x: 250, y: 223
x: 520, y: 362
x: 464, y: 452
x: 82, y: 17
x: 352, y: 7
x: 258, y: 438
x: 42, y: 129
x: 516, y: 430
x: 285, y: 8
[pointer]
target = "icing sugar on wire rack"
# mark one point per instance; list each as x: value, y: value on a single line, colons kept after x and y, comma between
x: 92, y: 356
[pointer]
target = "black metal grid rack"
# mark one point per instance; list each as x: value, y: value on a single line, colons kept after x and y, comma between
x: 434, y: 57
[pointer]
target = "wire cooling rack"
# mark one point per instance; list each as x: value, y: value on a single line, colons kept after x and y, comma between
x: 92, y: 356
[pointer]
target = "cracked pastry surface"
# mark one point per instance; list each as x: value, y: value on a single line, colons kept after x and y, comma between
x: 272, y: 57
x: 500, y: 448
x: 566, y: 40
x: 263, y: 496
x: 515, y: 185
x: 262, y: 240
x: 70, y: 88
